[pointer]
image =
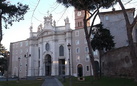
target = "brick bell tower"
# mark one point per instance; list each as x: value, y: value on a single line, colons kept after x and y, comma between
x: 79, y: 16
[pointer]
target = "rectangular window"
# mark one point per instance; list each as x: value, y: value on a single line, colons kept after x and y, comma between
x: 87, y: 58
x: 20, y: 51
x: 77, y: 33
x: 87, y: 68
x: 86, y: 49
x: 80, y: 24
x: 21, y: 44
x: 26, y: 43
x: 77, y: 42
x: 95, y: 52
x: 106, y: 18
x: 78, y: 58
x: 77, y: 50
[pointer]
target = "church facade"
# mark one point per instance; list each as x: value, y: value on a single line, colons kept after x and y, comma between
x: 45, y: 52
x: 58, y: 50
x: 51, y: 51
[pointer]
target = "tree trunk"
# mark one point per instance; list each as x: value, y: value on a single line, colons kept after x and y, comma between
x: 89, y: 47
x: 95, y: 74
x: 7, y: 76
x: 129, y: 28
x: 0, y: 27
x: 132, y: 52
x: 100, y: 61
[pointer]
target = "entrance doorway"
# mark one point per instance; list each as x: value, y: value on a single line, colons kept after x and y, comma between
x: 80, y: 70
x: 61, y: 66
x: 97, y: 67
x: 48, y: 65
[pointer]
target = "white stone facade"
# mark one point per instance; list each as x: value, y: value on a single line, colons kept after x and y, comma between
x: 42, y: 52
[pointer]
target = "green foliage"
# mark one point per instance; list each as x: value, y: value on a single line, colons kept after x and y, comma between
x: 102, y: 38
x: 87, y: 4
x: 3, y: 65
x: 12, y: 13
x: 3, y: 60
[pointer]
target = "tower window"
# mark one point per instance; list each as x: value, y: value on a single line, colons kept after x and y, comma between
x: 79, y: 24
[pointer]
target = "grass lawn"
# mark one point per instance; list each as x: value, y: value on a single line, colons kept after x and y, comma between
x: 104, y: 81
x: 22, y: 83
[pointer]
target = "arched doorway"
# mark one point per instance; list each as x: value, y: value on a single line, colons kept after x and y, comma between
x: 80, y: 70
x: 48, y: 65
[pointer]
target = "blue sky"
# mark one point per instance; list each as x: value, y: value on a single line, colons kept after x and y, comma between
x: 20, y: 30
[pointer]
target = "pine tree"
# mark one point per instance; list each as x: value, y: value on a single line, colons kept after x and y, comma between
x: 102, y: 40
x: 11, y: 13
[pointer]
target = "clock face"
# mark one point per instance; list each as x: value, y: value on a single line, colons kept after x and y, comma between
x: 79, y: 13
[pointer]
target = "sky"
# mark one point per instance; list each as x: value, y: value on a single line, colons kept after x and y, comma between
x: 20, y: 30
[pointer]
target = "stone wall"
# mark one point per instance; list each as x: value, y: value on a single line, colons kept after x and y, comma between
x: 117, y: 63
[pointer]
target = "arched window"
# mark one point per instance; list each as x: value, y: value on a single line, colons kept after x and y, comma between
x: 47, y: 46
x: 61, y: 50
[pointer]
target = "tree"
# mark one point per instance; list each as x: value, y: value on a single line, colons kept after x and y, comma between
x: 3, y: 60
x: 102, y: 40
x: 91, y: 6
x: 129, y: 28
x: 11, y: 13
x: 3, y: 65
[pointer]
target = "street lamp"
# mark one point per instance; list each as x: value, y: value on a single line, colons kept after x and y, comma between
x: 18, y: 68
x: 69, y: 46
x: 27, y: 56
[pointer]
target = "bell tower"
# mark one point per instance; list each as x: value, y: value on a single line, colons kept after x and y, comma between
x: 79, y: 16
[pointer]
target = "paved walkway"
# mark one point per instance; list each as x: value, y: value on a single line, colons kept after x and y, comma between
x: 51, y: 81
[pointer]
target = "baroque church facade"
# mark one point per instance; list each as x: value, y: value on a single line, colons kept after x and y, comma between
x: 46, y: 52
